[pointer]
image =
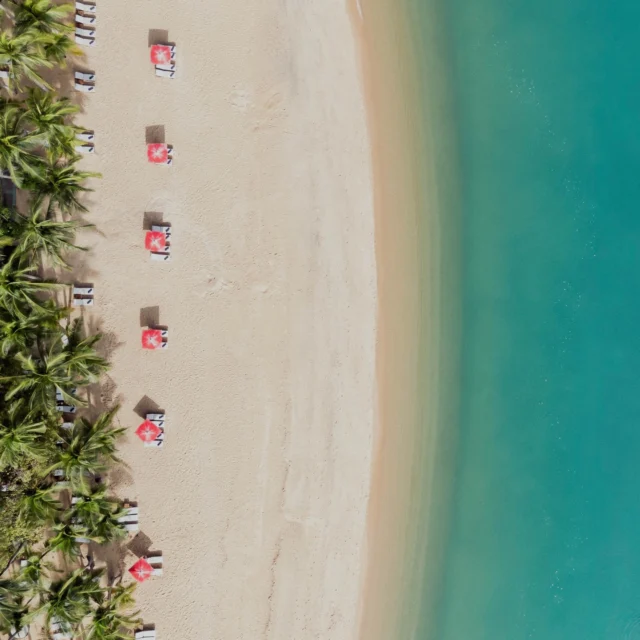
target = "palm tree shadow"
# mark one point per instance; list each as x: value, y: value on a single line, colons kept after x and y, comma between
x: 113, y: 555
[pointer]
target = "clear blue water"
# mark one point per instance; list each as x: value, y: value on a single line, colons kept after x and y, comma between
x: 544, y: 531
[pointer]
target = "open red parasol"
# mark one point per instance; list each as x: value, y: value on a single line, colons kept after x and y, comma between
x: 158, y: 153
x: 151, y: 339
x: 141, y: 570
x: 160, y: 54
x: 155, y: 241
x: 148, y: 431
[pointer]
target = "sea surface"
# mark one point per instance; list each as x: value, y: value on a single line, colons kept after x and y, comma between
x: 539, y: 537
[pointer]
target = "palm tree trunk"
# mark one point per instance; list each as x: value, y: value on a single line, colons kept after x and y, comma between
x: 13, y: 557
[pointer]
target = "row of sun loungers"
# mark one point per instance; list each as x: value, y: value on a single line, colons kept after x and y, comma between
x: 158, y: 242
x: 84, y: 81
x: 158, y: 420
x: 163, y: 57
x: 87, y: 138
x: 85, y: 22
x: 61, y: 404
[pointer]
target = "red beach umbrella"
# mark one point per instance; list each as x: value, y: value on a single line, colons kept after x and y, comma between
x: 148, y: 431
x: 160, y: 54
x: 141, y: 570
x: 155, y: 241
x: 158, y: 153
x: 151, y: 339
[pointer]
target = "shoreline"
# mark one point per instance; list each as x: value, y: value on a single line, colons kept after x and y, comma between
x: 416, y: 362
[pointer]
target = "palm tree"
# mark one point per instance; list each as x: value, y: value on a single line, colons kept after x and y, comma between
x: 39, y: 505
x: 40, y: 378
x: 57, y: 47
x: 60, y: 183
x: 11, y: 592
x: 100, y: 515
x: 67, y: 538
x: 23, y: 55
x: 19, y: 288
x: 20, y: 437
x: 69, y: 600
x: 48, y: 115
x: 16, y: 142
x: 34, y: 571
x: 83, y: 363
x: 35, y: 235
x: 87, y: 448
x: 41, y: 16
x: 110, y: 618
x: 20, y: 333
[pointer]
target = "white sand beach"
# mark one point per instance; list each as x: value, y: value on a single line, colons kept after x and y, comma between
x: 258, y: 499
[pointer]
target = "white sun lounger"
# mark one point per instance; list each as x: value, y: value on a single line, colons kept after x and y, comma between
x: 58, y: 473
x: 59, y: 395
x: 86, y: 88
x: 67, y: 425
x: 85, y: 42
x: 4, y: 73
x: 160, y: 257
x: 83, y: 302
x: 133, y: 527
x: 162, y: 228
x: 66, y: 408
x: 87, y: 8
x: 157, y: 443
x: 85, y: 19
x: 85, y: 148
x: 165, y: 73
x: 83, y: 291
x: 86, y: 136
x: 145, y: 635
x: 132, y: 511
x: 86, y: 33
x: 84, y: 75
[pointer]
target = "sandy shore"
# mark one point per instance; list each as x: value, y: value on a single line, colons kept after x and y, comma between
x: 258, y: 499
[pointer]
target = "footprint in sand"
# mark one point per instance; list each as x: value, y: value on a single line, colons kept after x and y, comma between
x: 240, y: 99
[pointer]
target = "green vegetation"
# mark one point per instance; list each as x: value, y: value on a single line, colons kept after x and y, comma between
x: 46, y: 579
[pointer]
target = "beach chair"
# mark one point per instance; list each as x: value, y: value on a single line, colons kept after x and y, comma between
x: 85, y: 75
x: 66, y: 408
x: 86, y: 136
x: 4, y: 73
x: 85, y: 33
x: 82, y: 19
x: 83, y: 291
x: 85, y: 42
x: 162, y: 228
x: 149, y: 634
x: 160, y: 257
x: 84, y: 148
x: 83, y: 302
x: 84, y: 6
x: 132, y: 527
x: 165, y: 73
x: 58, y: 473
x: 158, y: 442
x: 85, y: 88
x: 67, y: 425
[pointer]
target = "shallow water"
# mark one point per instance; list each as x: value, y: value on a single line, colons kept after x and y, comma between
x: 544, y: 531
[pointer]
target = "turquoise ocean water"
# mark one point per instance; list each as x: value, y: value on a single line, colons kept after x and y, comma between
x: 543, y: 527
